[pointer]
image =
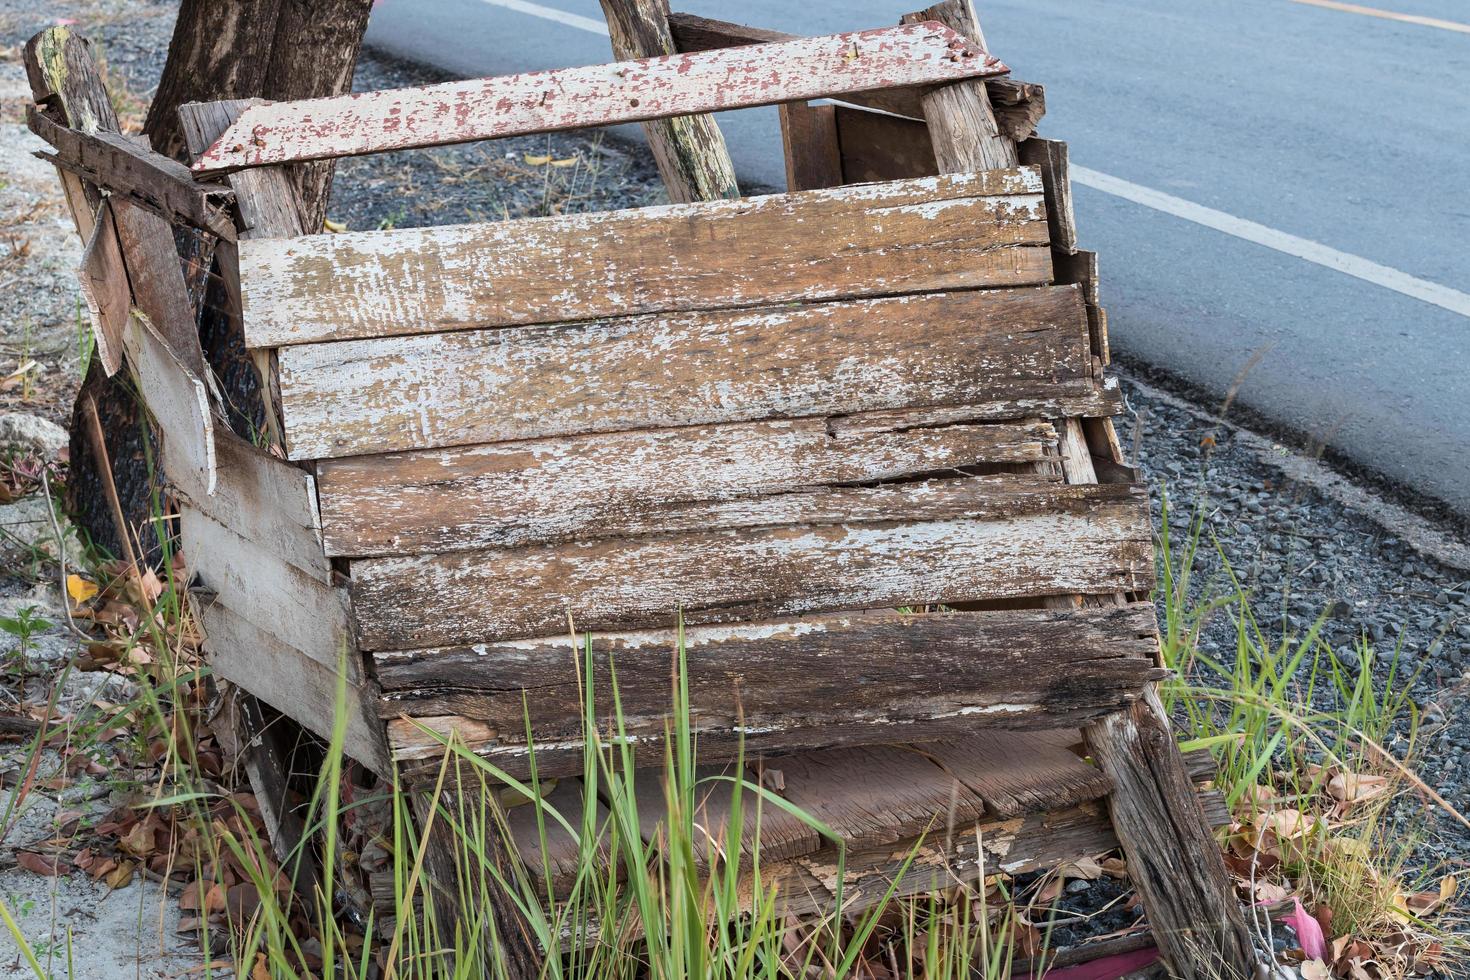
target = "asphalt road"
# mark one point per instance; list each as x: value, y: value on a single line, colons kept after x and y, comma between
x: 1217, y: 144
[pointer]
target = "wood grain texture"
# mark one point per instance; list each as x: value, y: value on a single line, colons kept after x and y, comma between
x: 1050, y: 157
x: 262, y: 499
x: 809, y: 143
x: 557, y: 856
x: 938, y: 233
x: 104, y: 282
x: 624, y: 483
x: 262, y: 588
x: 653, y: 371
x: 961, y: 122
x: 1025, y: 774
x: 689, y: 150
x: 179, y: 404
x: 597, y: 95
x: 858, y: 678
x: 293, y: 683
x: 877, y: 146
x: 1018, y: 105
x: 780, y: 833
x: 1095, y: 543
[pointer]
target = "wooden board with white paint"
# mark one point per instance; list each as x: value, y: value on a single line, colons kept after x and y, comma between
x: 953, y: 232
x: 658, y: 370
x: 624, y: 483
x: 596, y: 95
x: 296, y: 607
x: 179, y: 404
x: 1095, y: 543
x: 104, y: 282
x: 291, y: 682
x: 263, y: 499
x: 809, y: 682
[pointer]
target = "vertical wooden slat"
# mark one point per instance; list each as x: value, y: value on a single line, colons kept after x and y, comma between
x: 809, y: 139
x: 689, y: 150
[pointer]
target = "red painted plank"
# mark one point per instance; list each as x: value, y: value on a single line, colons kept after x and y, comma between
x: 598, y: 95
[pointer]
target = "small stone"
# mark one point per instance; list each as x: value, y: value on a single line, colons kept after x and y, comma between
x: 33, y: 434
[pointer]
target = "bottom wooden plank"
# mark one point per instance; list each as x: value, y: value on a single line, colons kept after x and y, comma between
x: 291, y: 682
x: 783, y: 685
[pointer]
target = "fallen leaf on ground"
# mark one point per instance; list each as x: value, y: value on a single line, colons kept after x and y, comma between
x: 80, y: 589
x: 39, y: 863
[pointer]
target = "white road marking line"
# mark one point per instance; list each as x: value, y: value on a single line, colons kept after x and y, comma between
x: 551, y: 13
x: 1323, y: 255
x: 1303, y: 248
x: 1353, y: 8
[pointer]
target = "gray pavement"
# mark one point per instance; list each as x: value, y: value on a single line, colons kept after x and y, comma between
x: 1348, y: 131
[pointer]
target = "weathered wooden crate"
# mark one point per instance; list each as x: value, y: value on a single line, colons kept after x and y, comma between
x: 854, y: 436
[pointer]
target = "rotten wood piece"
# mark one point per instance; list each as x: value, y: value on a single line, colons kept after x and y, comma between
x: 599, y: 95
x: 553, y: 489
x: 934, y: 349
x: 958, y: 231
x: 1095, y: 543
x: 1018, y: 106
x: 125, y: 168
x: 962, y: 126
x: 688, y: 150
x: 178, y: 401
x: 810, y: 682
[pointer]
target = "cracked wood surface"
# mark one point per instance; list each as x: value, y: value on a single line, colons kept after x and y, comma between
x: 663, y: 370
x: 595, y: 95
x: 796, y: 683
x: 626, y: 483
x: 953, y: 232
x: 1094, y: 543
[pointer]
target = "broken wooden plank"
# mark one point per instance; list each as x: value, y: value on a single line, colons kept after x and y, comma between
x: 1018, y: 105
x: 718, y: 576
x: 514, y: 493
x: 261, y: 587
x: 466, y: 387
x: 808, y: 885
x: 104, y: 282
x: 597, y: 95
x: 125, y: 168
x: 958, y: 231
x: 297, y: 685
x: 783, y: 685
x: 262, y: 499
x: 1024, y: 773
x: 178, y: 402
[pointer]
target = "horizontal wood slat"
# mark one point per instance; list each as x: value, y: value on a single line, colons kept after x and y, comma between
x: 958, y: 231
x: 1088, y: 540
x: 662, y: 370
x: 859, y: 678
x: 625, y: 483
x: 596, y: 95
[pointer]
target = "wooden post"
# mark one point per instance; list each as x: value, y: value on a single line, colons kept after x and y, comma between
x: 961, y: 122
x: 1172, y: 857
x: 689, y: 150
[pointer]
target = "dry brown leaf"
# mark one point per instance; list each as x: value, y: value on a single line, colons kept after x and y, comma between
x: 1347, y: 787
x: 121, y: 876
x: 39, y: 863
